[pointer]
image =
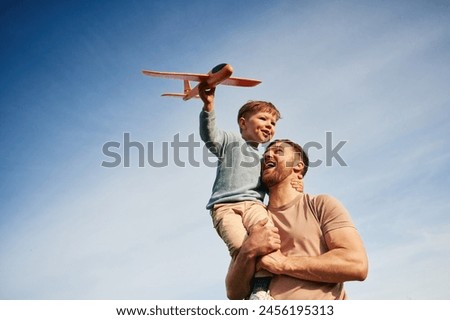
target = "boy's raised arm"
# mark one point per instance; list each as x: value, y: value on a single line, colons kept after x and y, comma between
x: 207, y: 96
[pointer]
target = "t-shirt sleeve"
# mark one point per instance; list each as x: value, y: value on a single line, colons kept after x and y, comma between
x: 331, y: 213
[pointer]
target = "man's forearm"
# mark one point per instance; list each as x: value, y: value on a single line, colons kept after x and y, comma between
x: 346, y: 260
x: 332, y: 267
x: 261, y: 241
x: 240, y: 275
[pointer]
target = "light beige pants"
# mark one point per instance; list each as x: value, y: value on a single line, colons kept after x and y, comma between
x: 233, y: 220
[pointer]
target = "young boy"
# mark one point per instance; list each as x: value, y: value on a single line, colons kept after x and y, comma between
x: 237, y: 197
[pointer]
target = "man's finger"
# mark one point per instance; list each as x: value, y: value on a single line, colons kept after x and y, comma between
x: 262, y: 222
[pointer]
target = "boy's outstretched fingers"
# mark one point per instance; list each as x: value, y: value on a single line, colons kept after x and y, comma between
x: 297, y: 184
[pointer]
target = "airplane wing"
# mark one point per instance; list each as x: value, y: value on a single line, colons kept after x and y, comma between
x: 177, y: 75
x: 241, y: 82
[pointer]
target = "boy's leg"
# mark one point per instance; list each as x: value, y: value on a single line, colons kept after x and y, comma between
x: 227, y: 220
x: 232, y: 220
x: 253, y: 213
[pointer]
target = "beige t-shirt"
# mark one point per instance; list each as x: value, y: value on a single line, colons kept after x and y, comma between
x: 302, y: 224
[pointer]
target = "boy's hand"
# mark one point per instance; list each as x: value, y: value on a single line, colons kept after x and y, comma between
x: 207, y: 96
x: 297, y: 184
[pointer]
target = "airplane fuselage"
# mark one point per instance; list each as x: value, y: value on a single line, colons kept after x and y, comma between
x: 216, y: 76
x: 219, y: 74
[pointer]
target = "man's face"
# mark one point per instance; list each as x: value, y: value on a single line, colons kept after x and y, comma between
x: 278, y: 163
x: 259, y: 127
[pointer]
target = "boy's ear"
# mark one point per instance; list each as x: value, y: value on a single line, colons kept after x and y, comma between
x: 242, y: 122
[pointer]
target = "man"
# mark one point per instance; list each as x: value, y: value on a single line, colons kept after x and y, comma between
x: 314, y: 244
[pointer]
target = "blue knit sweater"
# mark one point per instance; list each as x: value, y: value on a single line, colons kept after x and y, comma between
x: 239, y: 164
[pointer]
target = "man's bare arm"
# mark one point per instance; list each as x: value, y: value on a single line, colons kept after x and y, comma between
x: 261, y: 241
x: 346, y: 260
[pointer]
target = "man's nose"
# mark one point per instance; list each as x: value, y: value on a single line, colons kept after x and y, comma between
x: 268, y: 156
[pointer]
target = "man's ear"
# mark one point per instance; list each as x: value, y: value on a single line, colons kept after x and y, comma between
x: 298, y: 169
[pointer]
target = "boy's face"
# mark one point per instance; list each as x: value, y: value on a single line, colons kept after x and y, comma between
x: 258, y: 128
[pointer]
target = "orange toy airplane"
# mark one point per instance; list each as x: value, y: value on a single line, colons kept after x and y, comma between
x: 220, y: 74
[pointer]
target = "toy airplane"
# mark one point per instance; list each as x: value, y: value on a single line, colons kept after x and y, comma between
x: 220, y: 74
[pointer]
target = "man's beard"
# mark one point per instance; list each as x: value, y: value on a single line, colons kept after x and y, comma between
x: 275, y: 176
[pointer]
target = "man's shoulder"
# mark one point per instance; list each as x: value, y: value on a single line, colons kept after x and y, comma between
x: 323, y: 197
x: 316, y: 198
x: 319, y: 198
x: 322, y: 202
x: 329, y: 211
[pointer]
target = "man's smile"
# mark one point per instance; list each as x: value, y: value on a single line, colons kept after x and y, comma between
x: 269, y: 164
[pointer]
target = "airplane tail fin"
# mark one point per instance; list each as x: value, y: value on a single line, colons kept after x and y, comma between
x: 179, y: 95
x: 188, y: 93
x: 187, y: 87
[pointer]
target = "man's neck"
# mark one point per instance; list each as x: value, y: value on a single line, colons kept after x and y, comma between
x: 282, y: 193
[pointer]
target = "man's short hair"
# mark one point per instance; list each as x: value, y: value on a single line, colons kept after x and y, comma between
x: 298, y: 150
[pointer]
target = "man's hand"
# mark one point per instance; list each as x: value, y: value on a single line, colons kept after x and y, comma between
x: 272, y: 262
x: 262, y: 239
x: 207, y: 96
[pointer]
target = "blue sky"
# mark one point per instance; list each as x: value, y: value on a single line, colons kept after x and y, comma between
x: 373, y: 73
